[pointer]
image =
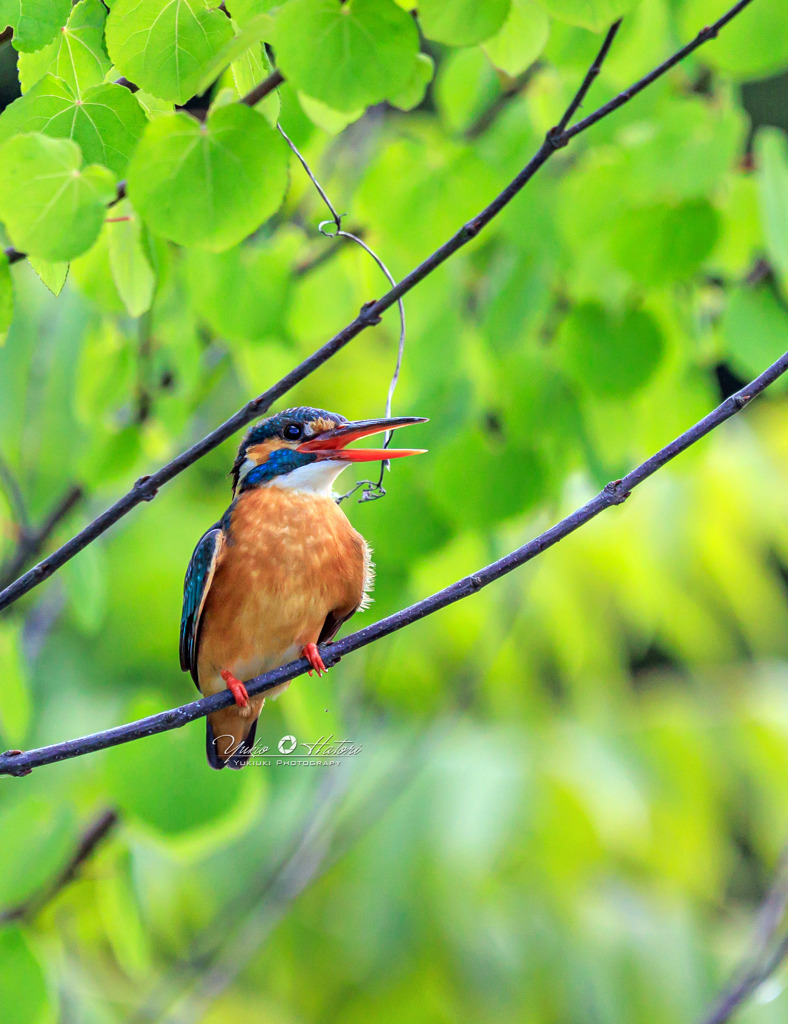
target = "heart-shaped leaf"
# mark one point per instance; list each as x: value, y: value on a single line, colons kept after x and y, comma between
x: 77, y: 54
x: 164, y: 48
x: 594, y: 14
x: 346, y: 55
x: 51, y: 206
x: 106, y: 122
x: 461, y: 22
x: 208, y: 185
x: 35, y: 22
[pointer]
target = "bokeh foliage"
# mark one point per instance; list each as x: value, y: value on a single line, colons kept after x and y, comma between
x: 571, y: 789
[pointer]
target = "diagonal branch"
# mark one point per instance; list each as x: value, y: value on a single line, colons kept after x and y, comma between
x: 705, y: 34
x: 770, y: 949
x: 93, y: 836
x: 20, y: 763
x: 32, y: 540
x: 588, y: 81
x: 146, y: 488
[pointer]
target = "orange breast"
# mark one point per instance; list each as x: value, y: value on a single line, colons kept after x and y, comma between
x: 290, y: 559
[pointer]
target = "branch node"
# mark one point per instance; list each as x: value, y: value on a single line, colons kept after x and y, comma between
x: 141, y: 484
x: 556, y: 139
x: 475, y: 582
x: 16, y: 771
x: 614, y: 492
x: 469, y: 230
x: 741, y: 400
x: 371, y: 320
x: 709, y: 32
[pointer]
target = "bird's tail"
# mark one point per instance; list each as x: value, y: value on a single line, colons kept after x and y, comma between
x: 229, y: 735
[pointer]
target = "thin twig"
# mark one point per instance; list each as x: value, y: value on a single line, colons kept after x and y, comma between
x: 16, y: 499
x: 144, y: 359
x: 253, y: 97
x: 490, y: 114
x: 705, y: 34
x: 588, y: 81
x: 93, y: 835
x: 146, y: 488
x: 767, y: 954
x: 614, y: 493
x: 32, y: 540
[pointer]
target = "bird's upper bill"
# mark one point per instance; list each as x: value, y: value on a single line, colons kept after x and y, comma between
x: 330, y: 444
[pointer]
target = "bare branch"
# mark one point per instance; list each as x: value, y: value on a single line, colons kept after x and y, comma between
x: 614, y: 493
x: 93, y: 835
x: 588, y: 81
x: 253, y: 97
x: 769, y: 950
x: 31, y: 541
x: 147, y: 487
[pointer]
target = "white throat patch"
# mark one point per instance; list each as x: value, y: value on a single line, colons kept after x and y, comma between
x: 316, y: 478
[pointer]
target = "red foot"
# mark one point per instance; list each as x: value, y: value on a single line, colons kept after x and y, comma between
x: 312, y: 655
x: 236, y: 688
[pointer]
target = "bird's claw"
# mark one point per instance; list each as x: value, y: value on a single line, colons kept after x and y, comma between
x: 312, y: 655
x: 236, y: 688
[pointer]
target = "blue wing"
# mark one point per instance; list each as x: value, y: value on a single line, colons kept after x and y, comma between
x: 195, y: 590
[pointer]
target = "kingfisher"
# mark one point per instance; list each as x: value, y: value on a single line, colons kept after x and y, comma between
x: 281, y: 571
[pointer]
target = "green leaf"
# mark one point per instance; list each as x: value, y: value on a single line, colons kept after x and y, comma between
x: 86, y: 589
x: 465, y: 87
x: 34, y: 22
x: 521, y: 39
x: 164, y: 48
x: 259, y: 28
x: 52, y: 206
x: 243, y: 11
x: 251, y: 68
x: 598, y: 15
x: 462, y: 22
x: 131, y: 269
x: 14, y: 695
x: 346, y: 55
x: 21, y: 875
x: 327, y: 118
x: 23, y: 988
x: 421, y: 76
x: 771, y: 161
x: 660, y: 243
x: 497, y: 481
x: 53, y: 275
x: 208, y: 185
x: 6, y: 298
x: 107, y: 122
x: 257, y: 279
x: 77, y: 54
x: 92, y: 276
x: 610, y: 356
x: 167, y: 801
x: 755, y: 327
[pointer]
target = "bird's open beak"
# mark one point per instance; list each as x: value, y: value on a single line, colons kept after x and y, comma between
x: 331, y: 443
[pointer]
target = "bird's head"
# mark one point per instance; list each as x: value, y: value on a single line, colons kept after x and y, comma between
x: 305, y: 449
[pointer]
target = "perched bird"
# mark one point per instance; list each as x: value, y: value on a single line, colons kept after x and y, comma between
x: 281, y: 571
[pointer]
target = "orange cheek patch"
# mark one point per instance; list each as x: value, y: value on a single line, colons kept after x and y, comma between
x: 259, y: 453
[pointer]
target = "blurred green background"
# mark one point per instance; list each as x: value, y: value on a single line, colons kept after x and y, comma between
x: 572, y: 788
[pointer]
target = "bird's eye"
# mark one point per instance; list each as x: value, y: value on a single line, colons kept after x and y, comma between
x: 292, y: 432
